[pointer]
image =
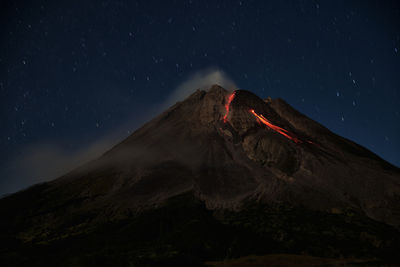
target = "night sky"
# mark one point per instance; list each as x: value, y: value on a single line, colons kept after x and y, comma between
x: 76, y: 77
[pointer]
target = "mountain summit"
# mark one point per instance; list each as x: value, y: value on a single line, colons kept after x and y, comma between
x: 254, y: 167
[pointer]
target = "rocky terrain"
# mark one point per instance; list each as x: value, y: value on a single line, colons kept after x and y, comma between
x: 217, y: 176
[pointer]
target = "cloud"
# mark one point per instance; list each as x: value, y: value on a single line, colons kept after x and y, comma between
x: 200, y: 80
x: 48, y: 160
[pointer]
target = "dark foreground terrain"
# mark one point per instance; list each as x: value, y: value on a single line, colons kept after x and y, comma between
x: 184, y: 233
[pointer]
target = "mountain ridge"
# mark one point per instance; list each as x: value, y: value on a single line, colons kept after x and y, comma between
x: 226, y: 151
x: 241, y: 140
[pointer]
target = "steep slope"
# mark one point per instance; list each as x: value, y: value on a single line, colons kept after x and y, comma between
x: 227, y: 151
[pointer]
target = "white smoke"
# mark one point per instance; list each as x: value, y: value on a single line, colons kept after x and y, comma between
x: 200, y: 80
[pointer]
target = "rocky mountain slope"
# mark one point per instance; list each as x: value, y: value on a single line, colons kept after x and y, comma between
x: 232, y: 166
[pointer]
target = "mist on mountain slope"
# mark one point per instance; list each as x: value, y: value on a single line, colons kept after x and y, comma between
x: 49, y: 159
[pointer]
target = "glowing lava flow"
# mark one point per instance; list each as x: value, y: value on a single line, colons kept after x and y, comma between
x: 227, y: 105
x: 276, y: 128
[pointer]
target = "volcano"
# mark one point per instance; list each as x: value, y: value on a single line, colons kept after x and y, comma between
x: 220, y: 175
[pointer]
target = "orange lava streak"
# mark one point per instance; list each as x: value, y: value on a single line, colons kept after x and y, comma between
x: 276, y: 128
x: 227, y: 105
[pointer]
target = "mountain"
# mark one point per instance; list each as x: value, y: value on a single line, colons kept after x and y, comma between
x: 217, y: 176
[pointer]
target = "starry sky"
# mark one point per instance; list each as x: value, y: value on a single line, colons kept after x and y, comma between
x: 76, y: 77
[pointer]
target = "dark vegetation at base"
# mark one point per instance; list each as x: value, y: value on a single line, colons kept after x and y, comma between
x: 184, y: 233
